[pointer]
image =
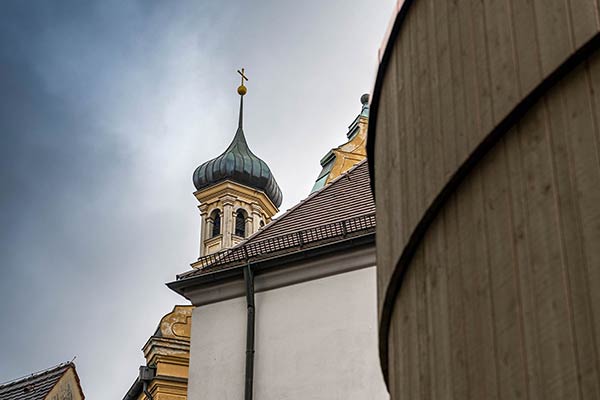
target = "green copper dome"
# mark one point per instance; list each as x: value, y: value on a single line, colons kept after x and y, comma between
x: 239, y: 165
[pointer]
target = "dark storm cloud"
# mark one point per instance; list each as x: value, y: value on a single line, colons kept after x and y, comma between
x: 55, y: 157
x: 52, y: 155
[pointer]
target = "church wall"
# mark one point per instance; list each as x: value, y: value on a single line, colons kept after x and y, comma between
x: 489, y: 283
x: 316, y: 339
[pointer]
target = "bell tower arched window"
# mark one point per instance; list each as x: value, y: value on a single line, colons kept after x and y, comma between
x: 240, y: 223
x: 216, y: 226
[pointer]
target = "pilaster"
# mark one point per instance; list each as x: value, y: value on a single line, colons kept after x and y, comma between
x: 227, y: 221
x: 203, y: 227
x: 249, y: 225
x: 256, y: 214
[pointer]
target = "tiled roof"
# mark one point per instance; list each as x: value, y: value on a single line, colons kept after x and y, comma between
x: 347, y: 197
x: 35, y: 386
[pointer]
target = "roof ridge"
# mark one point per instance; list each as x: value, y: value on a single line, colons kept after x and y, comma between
x: 36, y: 374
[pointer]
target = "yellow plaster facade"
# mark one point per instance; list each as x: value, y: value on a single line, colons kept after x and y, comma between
x: 67, y: 388
x: 168, y: 350
x: 350, y: 153
x: 342, y: 158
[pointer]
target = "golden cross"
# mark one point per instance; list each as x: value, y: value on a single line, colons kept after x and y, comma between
x: 243, y: 76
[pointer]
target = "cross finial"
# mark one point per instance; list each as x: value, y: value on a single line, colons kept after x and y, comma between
x: 243, y: 76
x: 242, y: 89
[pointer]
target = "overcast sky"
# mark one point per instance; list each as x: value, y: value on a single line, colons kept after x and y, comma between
x: 105, y: 111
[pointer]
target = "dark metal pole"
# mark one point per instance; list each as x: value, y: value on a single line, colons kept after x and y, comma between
x: 146, y: 392
x: 249, y: 278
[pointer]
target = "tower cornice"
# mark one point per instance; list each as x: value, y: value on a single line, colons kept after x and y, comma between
x: 217, y: 193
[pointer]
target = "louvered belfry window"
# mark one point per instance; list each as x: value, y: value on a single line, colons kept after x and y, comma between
x: 240, y: 223
x: 216, y: 228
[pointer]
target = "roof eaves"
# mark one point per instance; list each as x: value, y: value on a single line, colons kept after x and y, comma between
x: 279, y: 259
x: 328, y: 233
x: 134, y: 391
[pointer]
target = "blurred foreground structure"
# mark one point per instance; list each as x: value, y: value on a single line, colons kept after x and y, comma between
x: 484, y: 153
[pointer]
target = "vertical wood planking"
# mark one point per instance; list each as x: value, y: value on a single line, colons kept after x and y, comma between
x: 457, y: 78
x: 591, y: 227
x: 558, y: 364
x: 499, y: 51
x: 501, y: 258
x: 583, y: 20
x: 523, y: 28
x: 584, y: 180
x: 456, y: 308
x: 553, y: 32
x: 524, y: 282
x: 449, y: 158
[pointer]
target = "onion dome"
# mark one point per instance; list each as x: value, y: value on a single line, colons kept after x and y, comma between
x: 238, y: 164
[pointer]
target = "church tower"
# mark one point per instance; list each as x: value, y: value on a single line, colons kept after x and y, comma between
x: 342, y: 158
x: 236, y: 190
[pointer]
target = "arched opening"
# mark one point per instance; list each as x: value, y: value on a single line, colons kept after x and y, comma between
x: 216, y: 226
x: 240, y: 223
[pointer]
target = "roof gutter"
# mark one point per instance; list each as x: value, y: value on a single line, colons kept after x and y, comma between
x: 146, y: 375
x: 134, y: 391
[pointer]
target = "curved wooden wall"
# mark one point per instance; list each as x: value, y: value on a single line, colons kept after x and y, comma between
x: 485, y: 147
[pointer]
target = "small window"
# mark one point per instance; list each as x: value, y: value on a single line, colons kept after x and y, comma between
x: 216, y: 228
x: 262, y: 223
x: 240, y: 223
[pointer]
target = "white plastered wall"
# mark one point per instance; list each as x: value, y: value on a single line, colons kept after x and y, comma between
x: 314, y: 340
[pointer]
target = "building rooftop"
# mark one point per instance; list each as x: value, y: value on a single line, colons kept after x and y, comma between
x: 35, y: 386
